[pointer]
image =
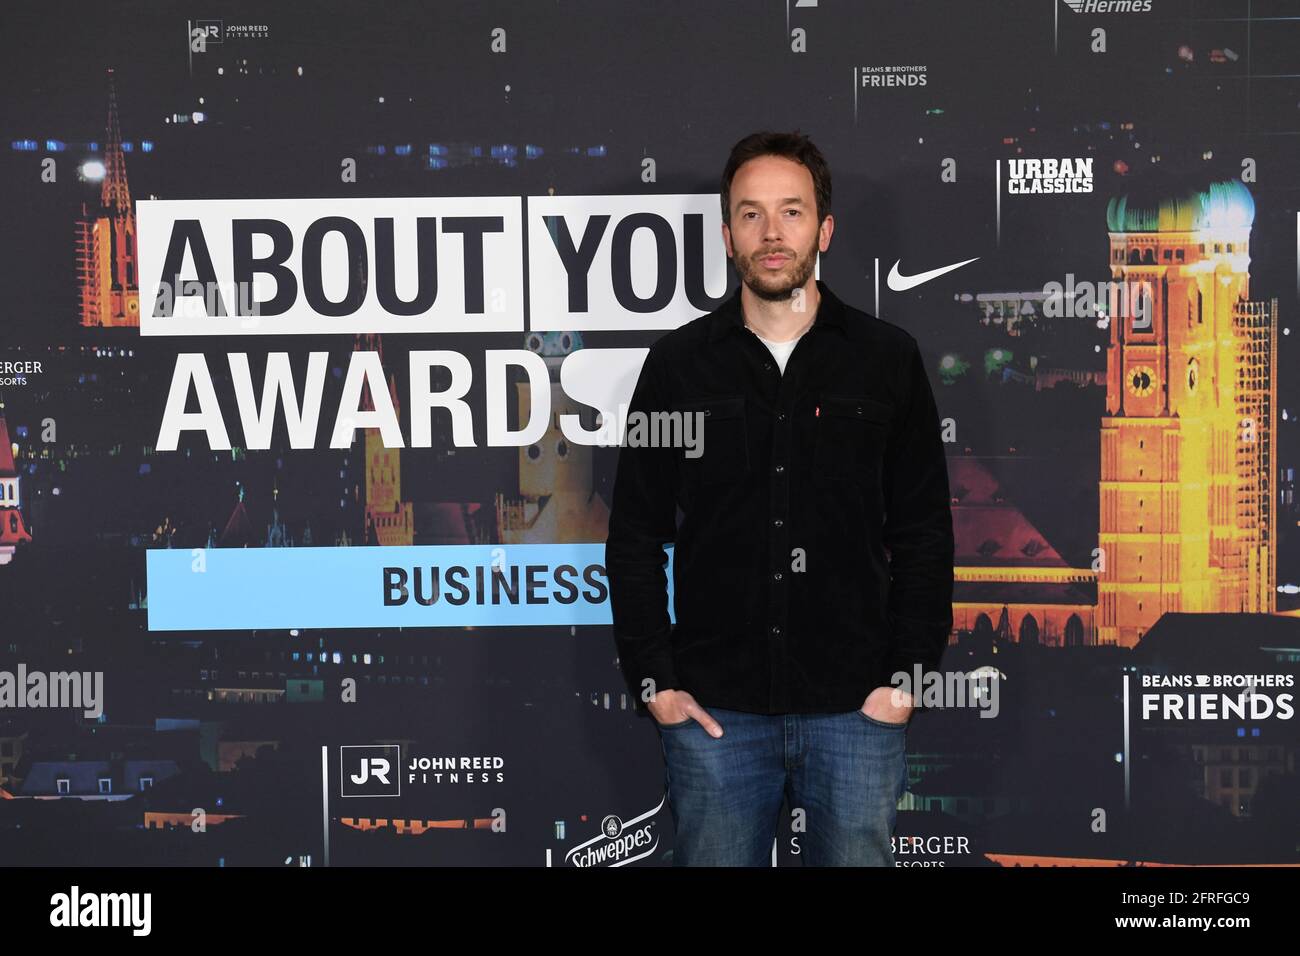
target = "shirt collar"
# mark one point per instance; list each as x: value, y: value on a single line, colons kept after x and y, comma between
x: 830, y: 312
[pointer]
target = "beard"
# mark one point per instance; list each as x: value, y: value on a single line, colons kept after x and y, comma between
x: 777, y: 286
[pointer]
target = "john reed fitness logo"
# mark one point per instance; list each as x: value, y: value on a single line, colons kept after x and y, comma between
x: 376, y: 770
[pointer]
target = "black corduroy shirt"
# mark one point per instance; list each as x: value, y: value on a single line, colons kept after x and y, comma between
x: 814, y: 553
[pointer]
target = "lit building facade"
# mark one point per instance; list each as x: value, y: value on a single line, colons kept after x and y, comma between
x: 1187, y: 521
x: 106, y: 244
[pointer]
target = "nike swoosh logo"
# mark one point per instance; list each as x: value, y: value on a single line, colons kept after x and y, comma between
x: 901, y: 283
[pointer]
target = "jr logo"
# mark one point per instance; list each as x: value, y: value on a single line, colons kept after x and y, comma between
x: 367, y: 771
x: 380, y: 771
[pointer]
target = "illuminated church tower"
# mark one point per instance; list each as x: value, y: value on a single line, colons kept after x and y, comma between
x: 106, y: 247
x: 1187, y: 442
x: 389, y: 520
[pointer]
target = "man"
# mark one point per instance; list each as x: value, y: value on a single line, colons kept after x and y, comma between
x: 821, y: 451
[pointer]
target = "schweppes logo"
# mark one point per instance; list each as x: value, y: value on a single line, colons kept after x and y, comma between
x: 620, y: 842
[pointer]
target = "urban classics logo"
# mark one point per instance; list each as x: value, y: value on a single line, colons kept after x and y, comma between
x: 619, y: 842
x: 1109, y: 6
x: 370, y: 771
x: 1203, y: 702
x: 1051, y: 175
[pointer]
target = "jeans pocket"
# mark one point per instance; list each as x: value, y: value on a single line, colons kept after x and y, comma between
x: 882, y: 723
x: 677, y: 726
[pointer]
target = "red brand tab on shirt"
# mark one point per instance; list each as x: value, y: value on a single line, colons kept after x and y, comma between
x: 817, y: 411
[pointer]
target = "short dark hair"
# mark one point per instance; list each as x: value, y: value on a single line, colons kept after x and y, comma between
x: 794, y: 146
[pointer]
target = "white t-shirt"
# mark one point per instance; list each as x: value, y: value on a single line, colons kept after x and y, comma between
x: 780, y: 350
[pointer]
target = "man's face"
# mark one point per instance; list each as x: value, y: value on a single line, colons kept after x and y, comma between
x: 774, y: 236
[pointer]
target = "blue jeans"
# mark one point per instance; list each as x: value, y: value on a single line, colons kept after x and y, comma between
x: 846, y: 772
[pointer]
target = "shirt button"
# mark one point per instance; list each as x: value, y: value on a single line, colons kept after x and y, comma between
x: 777, y: 522
x: 776, y: 576
x: 767, y: 366
x: 776, y: 629
x: 781, y: 417
x: 780, y: 468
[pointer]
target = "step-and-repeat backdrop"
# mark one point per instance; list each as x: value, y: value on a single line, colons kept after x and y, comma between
x: 317, y: 324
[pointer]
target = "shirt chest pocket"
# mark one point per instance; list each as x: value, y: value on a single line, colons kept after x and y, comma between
x: 850, y: 438
x: 717, y: 430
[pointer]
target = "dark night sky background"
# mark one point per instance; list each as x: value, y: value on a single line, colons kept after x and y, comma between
x: 677, y: 81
